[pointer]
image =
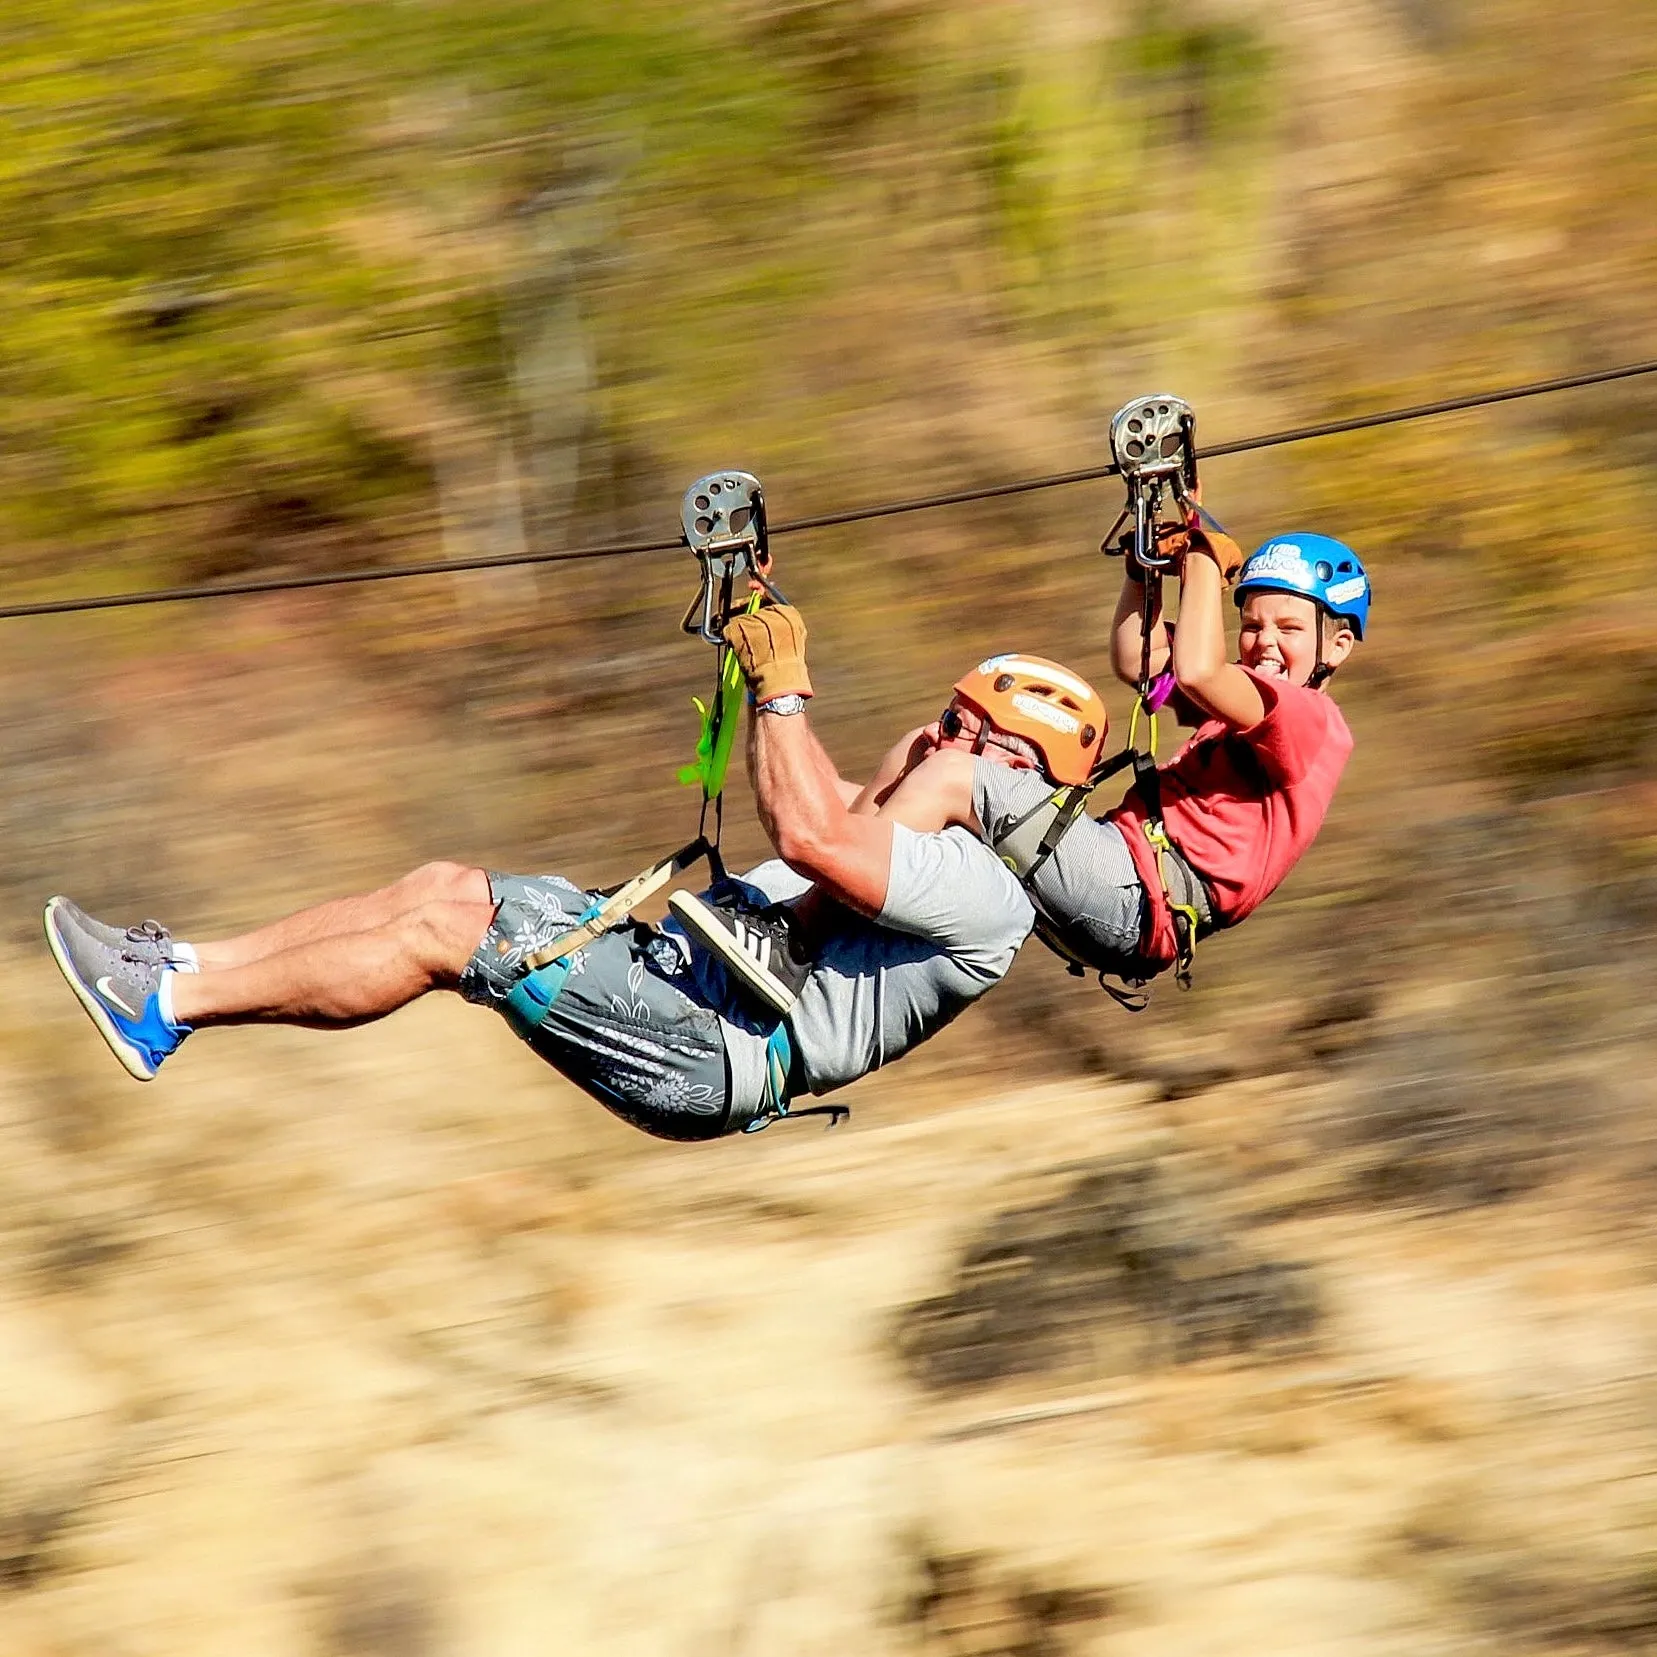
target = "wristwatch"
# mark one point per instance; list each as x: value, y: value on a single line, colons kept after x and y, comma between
x: 784, y: 705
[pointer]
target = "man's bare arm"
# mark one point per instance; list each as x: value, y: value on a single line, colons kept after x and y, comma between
x: 805, y: 816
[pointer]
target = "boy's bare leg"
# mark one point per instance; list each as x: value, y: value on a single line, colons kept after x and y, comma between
x: 418, y: 941
x: 340, y: 917
x: 936, y: 793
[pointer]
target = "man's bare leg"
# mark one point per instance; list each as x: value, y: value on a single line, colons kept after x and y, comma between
x: 341, y: 917
x: 345, y: 962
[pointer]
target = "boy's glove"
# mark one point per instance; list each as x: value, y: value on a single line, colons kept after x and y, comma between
x: 1171, y: 542
x: 1221, y: 548
x: 769, y: 647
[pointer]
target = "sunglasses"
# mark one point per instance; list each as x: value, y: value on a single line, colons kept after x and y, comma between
x: 952, y: 725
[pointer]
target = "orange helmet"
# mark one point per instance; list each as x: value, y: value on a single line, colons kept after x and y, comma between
x: 1057, y: 712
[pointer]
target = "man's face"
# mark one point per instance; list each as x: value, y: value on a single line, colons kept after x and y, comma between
x: 1279, y: 637
x: 961, y: 725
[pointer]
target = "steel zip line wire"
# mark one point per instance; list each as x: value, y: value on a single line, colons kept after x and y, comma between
x: 823, y: 520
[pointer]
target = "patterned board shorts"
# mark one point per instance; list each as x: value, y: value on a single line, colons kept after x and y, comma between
x: 621, y: 1028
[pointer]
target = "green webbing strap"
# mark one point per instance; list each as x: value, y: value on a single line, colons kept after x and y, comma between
x: 719, y: 722
x: 1183, y: 915
x: 1149, y: 715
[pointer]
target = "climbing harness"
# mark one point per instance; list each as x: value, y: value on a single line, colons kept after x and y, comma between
x: 1153, y: 442
x: 723, y: 515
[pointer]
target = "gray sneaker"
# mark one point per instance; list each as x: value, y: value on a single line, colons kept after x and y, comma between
x: 759, y: 947
x: 149, y: 941
x: 121, y: 994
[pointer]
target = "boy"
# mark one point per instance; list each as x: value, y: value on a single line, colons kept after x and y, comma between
x: 1241, y: 801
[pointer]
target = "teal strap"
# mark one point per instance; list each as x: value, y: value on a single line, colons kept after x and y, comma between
x: 532, y: 997
x: 779, y: 1060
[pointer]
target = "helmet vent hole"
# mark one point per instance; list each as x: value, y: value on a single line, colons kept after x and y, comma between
x: 1004, y: 681
x: 1324, y: 571
x: 1089, y: 736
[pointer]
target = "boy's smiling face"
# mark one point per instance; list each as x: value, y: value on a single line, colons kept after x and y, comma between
x: 1279, y: 637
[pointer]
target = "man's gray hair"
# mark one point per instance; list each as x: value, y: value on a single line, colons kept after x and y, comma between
x: 995, y: 737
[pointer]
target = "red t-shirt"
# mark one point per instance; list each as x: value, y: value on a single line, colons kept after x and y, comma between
x: 1241, y: 806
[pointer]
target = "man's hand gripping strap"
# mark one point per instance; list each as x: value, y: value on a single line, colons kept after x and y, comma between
x: 769, y: 644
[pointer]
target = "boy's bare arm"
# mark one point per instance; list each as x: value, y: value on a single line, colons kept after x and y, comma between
x: 1201, y: 666
x: 904, y: 754
x: 1127, y: 632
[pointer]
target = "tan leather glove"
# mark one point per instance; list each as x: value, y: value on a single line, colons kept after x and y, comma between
x: 770, y: 650
x: 1221, y: 548
x: 1171, y: 543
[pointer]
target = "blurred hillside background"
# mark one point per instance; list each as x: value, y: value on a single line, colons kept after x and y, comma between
x: 1313, y: 1311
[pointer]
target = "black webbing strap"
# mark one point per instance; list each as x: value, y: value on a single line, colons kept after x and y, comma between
x: 1071, y: 805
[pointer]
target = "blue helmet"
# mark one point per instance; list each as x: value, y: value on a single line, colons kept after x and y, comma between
x: 1317, y: 567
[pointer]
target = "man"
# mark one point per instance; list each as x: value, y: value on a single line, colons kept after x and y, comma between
x: 642, y: 1019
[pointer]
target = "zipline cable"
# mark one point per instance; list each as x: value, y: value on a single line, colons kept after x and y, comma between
x: 825, y: 520
x: 339, y: 578
x: 1241, y: 445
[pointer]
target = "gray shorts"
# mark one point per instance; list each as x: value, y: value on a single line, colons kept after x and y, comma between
x: 625, y: 1027
x: 1089, y: 888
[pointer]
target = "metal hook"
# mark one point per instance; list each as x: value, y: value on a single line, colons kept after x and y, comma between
x: 1153, y: 441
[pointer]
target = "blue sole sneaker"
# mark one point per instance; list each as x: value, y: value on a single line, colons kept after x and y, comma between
x: 119, y: 992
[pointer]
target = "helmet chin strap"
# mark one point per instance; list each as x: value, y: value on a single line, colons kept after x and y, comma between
x: 1321, y: 672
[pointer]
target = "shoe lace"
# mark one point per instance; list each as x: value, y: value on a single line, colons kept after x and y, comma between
x: 148, y: 932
